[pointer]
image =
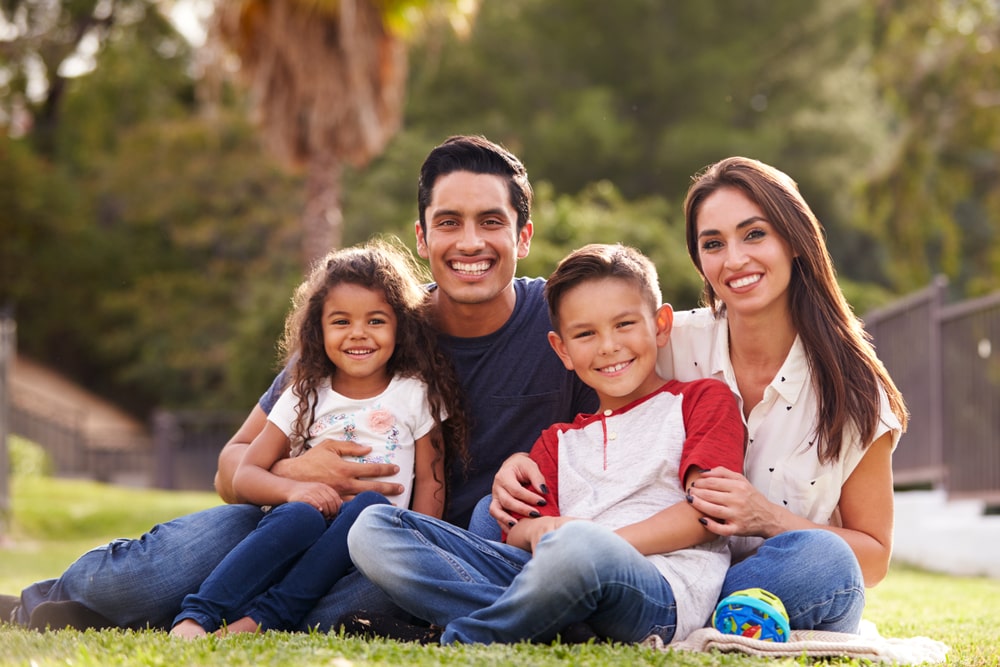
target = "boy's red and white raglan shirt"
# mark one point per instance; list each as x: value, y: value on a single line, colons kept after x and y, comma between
x: 619, y: 467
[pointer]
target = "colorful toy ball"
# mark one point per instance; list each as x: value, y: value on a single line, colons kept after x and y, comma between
x: 753, y: 613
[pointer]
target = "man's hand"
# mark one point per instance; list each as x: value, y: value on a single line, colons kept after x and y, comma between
x: 323, y: 463
x: 510, y: 492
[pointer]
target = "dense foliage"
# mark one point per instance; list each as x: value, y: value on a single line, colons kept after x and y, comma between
x: 150, y: 244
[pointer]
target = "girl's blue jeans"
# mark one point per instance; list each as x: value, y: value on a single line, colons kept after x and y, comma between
x: 279, y: 572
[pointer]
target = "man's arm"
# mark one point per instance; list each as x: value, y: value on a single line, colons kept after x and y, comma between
x: 322, y: 463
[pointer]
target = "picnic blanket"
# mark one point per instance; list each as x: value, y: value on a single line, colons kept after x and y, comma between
x: 868, y: 644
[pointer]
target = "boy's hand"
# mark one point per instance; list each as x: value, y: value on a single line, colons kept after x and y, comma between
x: 527, y: 533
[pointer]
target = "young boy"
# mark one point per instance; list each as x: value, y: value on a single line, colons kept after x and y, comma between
x: 616, y: 547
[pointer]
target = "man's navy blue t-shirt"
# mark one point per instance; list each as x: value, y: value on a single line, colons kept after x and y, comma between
x: 515, y: 387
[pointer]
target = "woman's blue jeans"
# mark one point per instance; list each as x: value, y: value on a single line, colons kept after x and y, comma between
x: 282, y: 568
x: 814, y: 572
x: 485, y: 592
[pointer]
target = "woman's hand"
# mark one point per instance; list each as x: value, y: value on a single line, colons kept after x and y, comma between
x: 735, y: 505
x: 511, y: 494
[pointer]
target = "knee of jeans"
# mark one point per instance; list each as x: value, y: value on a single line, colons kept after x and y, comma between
x: 365, y: 530
x: 583, y: 543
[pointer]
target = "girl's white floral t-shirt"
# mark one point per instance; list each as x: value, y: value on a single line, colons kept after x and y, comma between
x: 389, y: 423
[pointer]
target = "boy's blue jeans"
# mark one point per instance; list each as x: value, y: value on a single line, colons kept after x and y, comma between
x: 486, y: 592
x: 141, y: 582
x: 814, y: 572
x: 277, y: 574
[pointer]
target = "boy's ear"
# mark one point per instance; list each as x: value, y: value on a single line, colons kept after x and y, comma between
x: 664, y: 324
x: 560, y: 349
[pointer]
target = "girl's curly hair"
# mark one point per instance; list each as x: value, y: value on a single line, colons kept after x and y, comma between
x: 383, y: 265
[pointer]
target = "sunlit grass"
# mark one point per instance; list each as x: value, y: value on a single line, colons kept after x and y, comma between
x: 57, y: 520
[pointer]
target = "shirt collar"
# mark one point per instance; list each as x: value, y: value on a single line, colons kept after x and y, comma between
x: 790, y: 380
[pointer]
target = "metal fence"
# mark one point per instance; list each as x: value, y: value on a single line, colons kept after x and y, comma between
x: 945, y: 358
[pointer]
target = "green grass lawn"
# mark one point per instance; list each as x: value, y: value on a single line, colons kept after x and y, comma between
x: 54, y: 521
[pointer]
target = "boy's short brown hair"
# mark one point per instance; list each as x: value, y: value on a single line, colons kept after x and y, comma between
x: 602, y: 260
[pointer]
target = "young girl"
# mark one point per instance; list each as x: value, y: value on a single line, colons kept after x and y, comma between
x: 366, y: 368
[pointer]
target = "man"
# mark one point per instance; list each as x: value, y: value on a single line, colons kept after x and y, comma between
x: 474, y: 203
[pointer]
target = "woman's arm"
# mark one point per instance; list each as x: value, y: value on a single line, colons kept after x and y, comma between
x: 866, y: 509
x: 428, y: 481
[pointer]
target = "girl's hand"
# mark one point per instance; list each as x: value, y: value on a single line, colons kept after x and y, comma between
x: 736, y: 506
x: 510, y: 492
x: 319, y: 495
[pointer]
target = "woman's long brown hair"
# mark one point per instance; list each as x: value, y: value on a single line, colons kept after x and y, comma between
x: 846, y: 371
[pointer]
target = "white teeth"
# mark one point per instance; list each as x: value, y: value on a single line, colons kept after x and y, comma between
x: 615, y: 368
x: 473, y: 269
x: 743, y: 282
x: 359, y: 353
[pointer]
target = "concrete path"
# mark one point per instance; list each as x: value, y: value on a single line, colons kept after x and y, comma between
x: 953, y: 537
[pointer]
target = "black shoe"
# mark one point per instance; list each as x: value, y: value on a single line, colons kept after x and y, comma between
x: 8, y: 608
x: 578, y: 633
x: 68, y: 614
x: 368, y: 626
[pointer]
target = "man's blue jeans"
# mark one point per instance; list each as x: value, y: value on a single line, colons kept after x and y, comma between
x: 278, y: 573
x: 814, y: 572
x: 141, y: 582
x: 485, y: 592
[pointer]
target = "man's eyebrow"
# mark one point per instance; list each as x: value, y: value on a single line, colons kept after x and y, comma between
x: 447, y: 212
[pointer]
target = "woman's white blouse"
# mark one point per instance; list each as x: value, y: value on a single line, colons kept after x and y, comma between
x: 781, y: 459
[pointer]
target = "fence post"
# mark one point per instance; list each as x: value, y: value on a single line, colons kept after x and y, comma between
x: 166, y: 436
x: 937, y: 301
x: 8, y: 347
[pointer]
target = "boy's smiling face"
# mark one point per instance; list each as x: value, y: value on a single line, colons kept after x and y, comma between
x: 609, y: 335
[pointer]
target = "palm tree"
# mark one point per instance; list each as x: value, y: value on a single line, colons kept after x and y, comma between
x: 328, y: 79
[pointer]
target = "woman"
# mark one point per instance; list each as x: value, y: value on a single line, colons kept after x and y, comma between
x: 811, y: 517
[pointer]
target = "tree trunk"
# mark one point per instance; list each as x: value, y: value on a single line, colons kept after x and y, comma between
x: 322, y: 220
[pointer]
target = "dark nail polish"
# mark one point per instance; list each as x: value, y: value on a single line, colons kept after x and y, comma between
x: 689, y: 498
x: 534, y: 514
x: 545, y: 489
x: 542, y: 503
x: 705, y: 470
x: 703, y: 521
x: 510, y: 524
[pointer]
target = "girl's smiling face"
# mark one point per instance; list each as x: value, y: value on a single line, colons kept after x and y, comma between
x: 359, y: 336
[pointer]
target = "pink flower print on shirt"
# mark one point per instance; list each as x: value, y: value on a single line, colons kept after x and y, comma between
x: 340, y: 420
x: 381, y: 420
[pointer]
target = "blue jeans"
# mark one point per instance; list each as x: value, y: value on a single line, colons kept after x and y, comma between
x: 814, y: 572
x: 280, y: 570
x: 141, y: 582
x: 484, y: 592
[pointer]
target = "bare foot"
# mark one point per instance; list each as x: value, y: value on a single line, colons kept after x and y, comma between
x: 188, y: 629
x: 245, y: 624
